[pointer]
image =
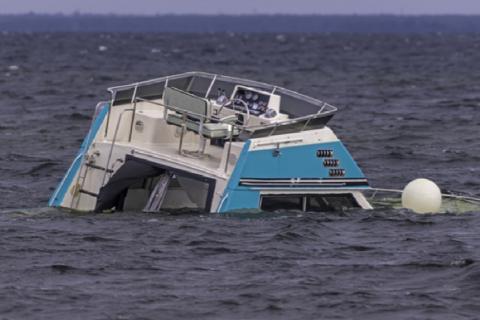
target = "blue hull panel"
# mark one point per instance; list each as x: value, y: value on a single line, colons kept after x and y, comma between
x: 291, y: 164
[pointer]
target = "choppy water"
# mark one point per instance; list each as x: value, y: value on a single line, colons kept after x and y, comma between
x: 409, y: 107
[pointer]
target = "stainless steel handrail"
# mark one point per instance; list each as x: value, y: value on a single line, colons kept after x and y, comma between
x: 134, y: 106
x: 186, y: 113
x: 308, y: 118
x: 189, y: 113
x: 324, y: 109
x: 240, y: 81
x: 113, y: 144
x: 232, y: 126
x: 84, y: 155
x: 322, y: 112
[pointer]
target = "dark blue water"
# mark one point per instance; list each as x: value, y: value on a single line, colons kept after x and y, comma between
x: 409, y: 107
x: 256, y: 23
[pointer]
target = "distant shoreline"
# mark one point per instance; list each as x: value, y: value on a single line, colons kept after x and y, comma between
x: 231, y: 15
x: 259, y: 23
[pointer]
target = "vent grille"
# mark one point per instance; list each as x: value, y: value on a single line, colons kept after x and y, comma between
x: 331, y: 162
x: 324, y: 153
x: 336, y: 172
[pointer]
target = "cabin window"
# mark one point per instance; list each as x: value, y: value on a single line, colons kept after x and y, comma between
x: 309, y: 203
x: 282, y: 202
x: 331, y: 202
x: 181, y: 192
x: 139, y: 185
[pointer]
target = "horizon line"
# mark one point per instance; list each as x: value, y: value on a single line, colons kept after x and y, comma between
x: 77, y: 14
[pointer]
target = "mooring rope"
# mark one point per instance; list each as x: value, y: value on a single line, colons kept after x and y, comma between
x: 443, y: 194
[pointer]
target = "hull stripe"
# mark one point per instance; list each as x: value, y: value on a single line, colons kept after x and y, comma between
x: 57, y: 198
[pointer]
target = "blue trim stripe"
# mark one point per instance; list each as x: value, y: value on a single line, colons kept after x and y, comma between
x: 59, y: 194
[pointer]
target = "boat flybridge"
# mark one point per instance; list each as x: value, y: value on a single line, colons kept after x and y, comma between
x: 211, y: 143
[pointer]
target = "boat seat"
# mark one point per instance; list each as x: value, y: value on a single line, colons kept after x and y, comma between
x: 198, y: 109
x: 209, y: 130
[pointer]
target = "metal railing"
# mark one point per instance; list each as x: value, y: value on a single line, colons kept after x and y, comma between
x: 114, y: 139
x: 325, y: 110
x: 204, y: 118
x: 216, y: 77
x: 89, y: 138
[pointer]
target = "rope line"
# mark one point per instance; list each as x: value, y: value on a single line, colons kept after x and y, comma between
x: 443, y: 194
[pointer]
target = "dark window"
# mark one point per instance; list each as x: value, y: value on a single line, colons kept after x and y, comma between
x: 180, y: 83
x: 331, y: 202
x: 311, y: 203
x: 282, y: 202
x: 221, y: 86
x: 123, y: 96
x: 199, y: 86
x: 151, y: 91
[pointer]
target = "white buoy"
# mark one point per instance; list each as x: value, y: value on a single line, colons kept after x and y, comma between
x: 422, y: 196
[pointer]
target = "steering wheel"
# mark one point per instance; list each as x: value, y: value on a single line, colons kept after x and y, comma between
x: 239, y: 112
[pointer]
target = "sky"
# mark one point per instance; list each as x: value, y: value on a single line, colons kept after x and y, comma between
x: 242, y: 6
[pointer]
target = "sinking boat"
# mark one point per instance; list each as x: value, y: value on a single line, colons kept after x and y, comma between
x: 211, y: 143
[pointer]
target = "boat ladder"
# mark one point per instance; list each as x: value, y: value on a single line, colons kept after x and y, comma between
x: 78, y: 188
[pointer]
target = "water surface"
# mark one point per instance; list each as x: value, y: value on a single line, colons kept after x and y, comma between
x: 409, y: 108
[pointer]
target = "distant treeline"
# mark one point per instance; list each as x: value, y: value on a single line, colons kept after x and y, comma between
x: 241, y: 23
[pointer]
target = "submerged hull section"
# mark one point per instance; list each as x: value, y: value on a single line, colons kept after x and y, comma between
x: 171, y: 152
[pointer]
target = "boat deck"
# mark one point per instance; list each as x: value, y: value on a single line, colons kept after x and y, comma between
x: 211, y: 162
